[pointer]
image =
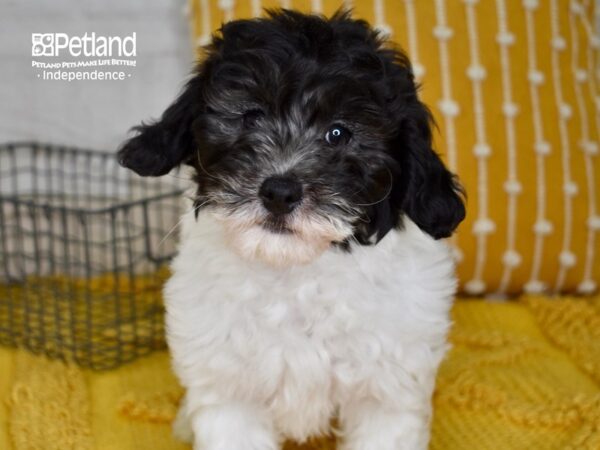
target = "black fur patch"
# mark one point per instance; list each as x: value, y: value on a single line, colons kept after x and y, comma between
x: 262, y: 102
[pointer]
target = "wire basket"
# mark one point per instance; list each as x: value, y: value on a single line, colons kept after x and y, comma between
x: 83, y: 250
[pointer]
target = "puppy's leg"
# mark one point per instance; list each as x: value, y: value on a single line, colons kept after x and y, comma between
x: 233, y: 426
x: 371, y: 425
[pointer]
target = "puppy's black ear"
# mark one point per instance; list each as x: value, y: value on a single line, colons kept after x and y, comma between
x: 160, y: 146
x: 432, y: 198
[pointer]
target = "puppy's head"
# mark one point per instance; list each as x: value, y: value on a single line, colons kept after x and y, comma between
x: 304, y: 132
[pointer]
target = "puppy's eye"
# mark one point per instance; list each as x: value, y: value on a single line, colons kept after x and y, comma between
x: 252, y: 117
x: 337, y: 135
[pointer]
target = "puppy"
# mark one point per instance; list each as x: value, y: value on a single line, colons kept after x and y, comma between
x: 310, y: 281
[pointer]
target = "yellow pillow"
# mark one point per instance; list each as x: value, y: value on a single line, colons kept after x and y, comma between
x: 515, y: 89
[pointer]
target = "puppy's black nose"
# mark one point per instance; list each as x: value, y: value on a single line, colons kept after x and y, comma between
x: 280, y: 195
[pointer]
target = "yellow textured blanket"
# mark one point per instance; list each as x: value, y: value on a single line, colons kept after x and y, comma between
x: 523, y: 375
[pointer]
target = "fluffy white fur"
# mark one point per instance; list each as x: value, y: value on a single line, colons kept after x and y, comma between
x: 268, y: 353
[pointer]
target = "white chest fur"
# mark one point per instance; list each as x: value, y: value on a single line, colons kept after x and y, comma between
x: 307, y: 341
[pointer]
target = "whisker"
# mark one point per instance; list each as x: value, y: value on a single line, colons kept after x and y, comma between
x: 202, y: 167
x: 179, y: 178
x: 183, y: 217
x: 389, y: 191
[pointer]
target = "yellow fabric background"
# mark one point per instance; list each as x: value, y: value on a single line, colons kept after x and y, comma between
x: 520, y: 376
x: 207, y: 15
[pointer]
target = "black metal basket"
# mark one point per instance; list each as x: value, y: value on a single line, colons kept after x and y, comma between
x: 83, y: 247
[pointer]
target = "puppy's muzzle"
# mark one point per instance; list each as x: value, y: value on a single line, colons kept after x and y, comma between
x: 280, y: 194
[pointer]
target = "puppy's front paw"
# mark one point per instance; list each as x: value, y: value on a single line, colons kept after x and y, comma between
x: 233, y: 427
x: 381, y: 430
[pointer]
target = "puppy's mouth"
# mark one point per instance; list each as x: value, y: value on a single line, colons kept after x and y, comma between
x: 280, y: 240
x: 277, y: 225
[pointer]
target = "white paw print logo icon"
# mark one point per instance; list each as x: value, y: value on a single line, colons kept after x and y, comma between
x: 42, y: 44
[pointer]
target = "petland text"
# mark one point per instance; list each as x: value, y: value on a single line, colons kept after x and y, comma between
x: 92, y: 45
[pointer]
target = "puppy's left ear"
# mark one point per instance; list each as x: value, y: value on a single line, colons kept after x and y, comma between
x: 160, y: 146
x: 433, y: 198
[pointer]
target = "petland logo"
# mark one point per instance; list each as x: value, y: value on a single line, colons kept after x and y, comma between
x: 57, y: 44
x: 91, y: 57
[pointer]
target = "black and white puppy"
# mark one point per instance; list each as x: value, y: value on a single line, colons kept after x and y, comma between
x: 310, y: 282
